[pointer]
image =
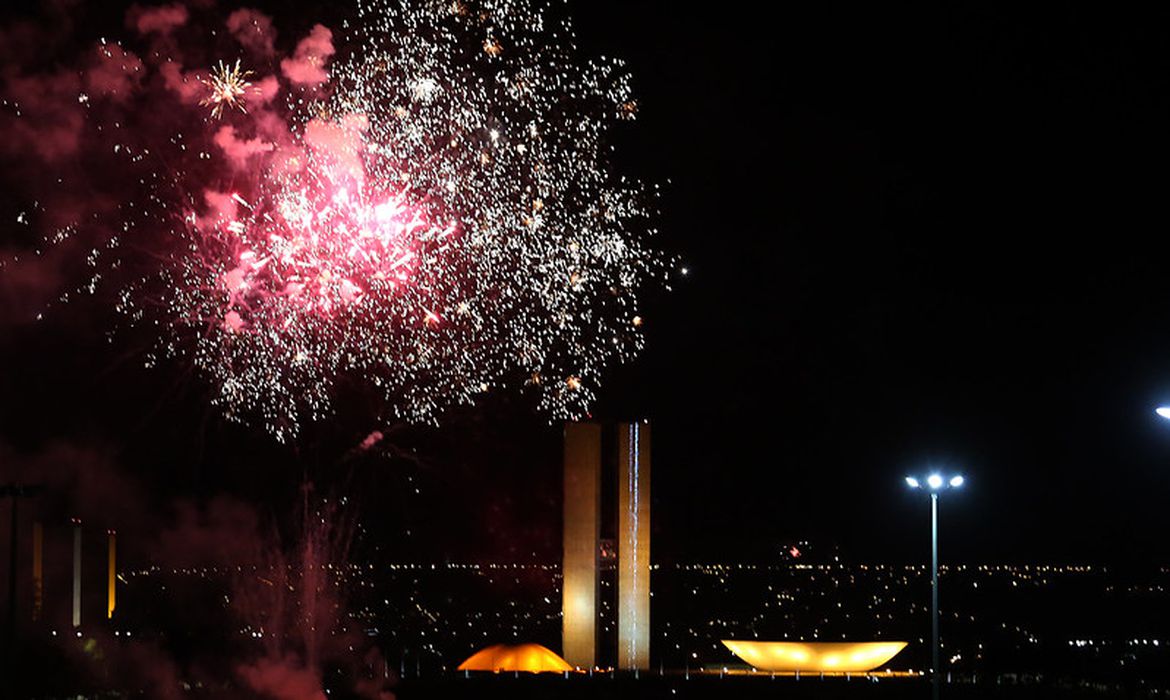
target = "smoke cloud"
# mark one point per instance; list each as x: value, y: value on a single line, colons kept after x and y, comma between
x: 253, y: 29
x: 238, y: 150
x: 114, y: 73
x: 282, y: 679
x: 307, y: 65
x: 187, y: 85
x: 46, y: 116
x: 157, y: 20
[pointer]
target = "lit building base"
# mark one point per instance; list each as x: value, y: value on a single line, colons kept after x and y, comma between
x: 815, y: 657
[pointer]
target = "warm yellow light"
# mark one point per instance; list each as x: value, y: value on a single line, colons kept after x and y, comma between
x: 112, y: 576
x: 582, y: 529
x: 839, y: 657
x: 532, y: 658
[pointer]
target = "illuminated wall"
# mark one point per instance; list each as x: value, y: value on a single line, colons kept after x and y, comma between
x: 582, y: 533
x: 634, y: 545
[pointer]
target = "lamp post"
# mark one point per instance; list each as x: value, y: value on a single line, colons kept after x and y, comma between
x: 935, y: 483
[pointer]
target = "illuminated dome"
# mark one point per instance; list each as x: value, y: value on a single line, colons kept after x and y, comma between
x: 834, y: 657
x: 533, y: 658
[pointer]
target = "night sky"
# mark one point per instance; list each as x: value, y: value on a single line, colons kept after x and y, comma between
x: 916, y: 239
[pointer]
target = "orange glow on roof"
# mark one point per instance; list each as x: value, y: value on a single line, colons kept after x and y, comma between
x: 840, y: 657
x: 532, y: 658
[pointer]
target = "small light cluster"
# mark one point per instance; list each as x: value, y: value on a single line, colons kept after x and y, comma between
x: 935, y: 482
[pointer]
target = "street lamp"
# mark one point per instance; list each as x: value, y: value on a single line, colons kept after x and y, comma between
x: 935, y: 483
x: 1163, y: 411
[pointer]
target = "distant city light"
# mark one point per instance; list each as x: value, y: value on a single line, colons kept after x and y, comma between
x: 934, y: 481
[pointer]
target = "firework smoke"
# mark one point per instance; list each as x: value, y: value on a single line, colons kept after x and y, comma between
x: 294, y: 604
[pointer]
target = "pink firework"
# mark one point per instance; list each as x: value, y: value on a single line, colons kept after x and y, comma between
x: 322, y: 239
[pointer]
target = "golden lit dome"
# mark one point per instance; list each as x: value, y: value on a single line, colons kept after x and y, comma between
x: 532, y: 658
x: 836, y: 657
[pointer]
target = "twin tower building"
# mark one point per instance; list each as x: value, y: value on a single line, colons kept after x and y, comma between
x: 586, y: 501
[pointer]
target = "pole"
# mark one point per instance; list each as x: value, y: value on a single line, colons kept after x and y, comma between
x: 111, y: 574
x: 934, y: 649
x: 76, y: 572
x: 38, y: 570
x: 16, y: 492
x: 12, y: 569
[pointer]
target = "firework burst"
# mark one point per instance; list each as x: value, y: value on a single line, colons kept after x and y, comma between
x: 426, y: 214
x: 227, y: 86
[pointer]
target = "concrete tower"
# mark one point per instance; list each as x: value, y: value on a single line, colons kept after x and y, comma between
x: 582, y: 533
x: 634, y: 546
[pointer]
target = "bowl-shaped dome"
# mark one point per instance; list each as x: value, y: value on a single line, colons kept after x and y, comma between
x: 838, y: 657
x: 532, y: 658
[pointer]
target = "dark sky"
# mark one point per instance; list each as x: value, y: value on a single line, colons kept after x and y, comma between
x: 916, y: 239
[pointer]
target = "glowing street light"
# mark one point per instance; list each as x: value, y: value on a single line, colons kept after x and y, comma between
x: 936, y: 483
x: 1163, y: 411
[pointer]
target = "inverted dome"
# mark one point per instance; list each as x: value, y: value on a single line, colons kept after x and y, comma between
x: 837, y: 657
x: 532, y: 658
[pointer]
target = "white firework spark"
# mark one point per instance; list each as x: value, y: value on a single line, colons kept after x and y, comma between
x: 227, y: 86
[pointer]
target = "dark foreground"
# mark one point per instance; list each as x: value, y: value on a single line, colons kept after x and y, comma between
x: 487, y: 687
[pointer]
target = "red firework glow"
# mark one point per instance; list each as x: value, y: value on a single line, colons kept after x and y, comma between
x: 322, y: 236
